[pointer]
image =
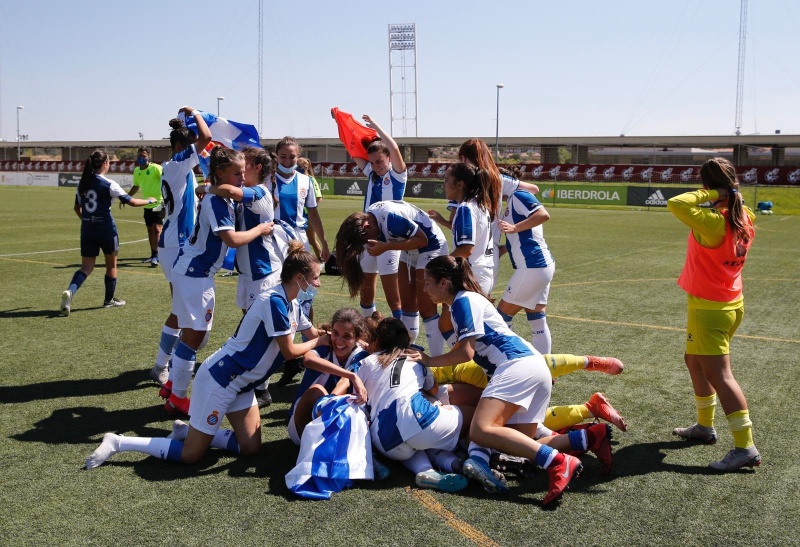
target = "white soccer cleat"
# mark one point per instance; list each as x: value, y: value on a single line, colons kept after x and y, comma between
x: 113, y: 303
x: 160, y: 375
x: 66, y: 303
x: 446, y: 482
x: 179, y: 430
x: 107, y: 448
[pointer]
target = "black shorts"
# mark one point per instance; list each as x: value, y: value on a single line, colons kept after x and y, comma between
x: 152, y: 217
x: 97, y: 237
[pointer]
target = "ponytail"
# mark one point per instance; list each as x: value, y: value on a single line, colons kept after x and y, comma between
x: 457, y: 271
x: 478, y: 185
x: 93, y: 164
x: 719, y: 173
x: 350, y: 241
x: 298, y: 261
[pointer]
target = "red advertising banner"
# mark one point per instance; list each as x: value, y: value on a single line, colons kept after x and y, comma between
x: 658, y: 174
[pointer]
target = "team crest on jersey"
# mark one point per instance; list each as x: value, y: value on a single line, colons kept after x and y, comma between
x: 508, y: 212
x: 213, y: 418
x: 209, y: 315
x: 302, y: 193
x: 387, y: 181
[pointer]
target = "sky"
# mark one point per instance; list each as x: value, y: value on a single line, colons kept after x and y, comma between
x: 109, y: 70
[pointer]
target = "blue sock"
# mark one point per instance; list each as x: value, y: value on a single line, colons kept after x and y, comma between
x: 544, y: 456
x: 578, y: 440
x: 174, y: 451
x: 111, y: 287
x: 397, y: 314
x: 477, y: 452
x: 77, y: 280
x: 226, y: 440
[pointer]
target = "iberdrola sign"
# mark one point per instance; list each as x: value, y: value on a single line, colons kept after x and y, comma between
x: 584, y: 194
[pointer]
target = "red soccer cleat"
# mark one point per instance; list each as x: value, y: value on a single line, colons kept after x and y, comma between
x: 561, y: 474
x: 601, y: 445
x: 599, y: 406
x: 175, y: 405
x: 165, y: 390
x: 607, y: 365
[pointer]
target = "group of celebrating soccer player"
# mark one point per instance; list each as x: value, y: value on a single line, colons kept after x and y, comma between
x: 476, y: 402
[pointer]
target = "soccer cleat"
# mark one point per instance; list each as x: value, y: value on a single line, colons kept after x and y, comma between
x: 607, y: 365
x: 599, y: 406
x: 601, y: 445
x: 147, y: 260
x: 738, y: 458
x: 379, y: 471
x: 66, y: 303
x: 449, y: 482
x: 179, y: 430
x: 697, y: 433
x: 113, y: 303
x: 107, y: 448
x: 291, y: 368
x: 177, y: 404
x: 263, y: 398
x: 504, y: 463
x: 154, y: 262
x: 166, y: 389
x: 477, y: 469
x: 560, y: 476
x: 160, y: 376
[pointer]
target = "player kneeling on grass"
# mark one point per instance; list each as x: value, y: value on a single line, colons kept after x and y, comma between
x: 516, y: 398
x: 407, y: 424
x: 224, y: 383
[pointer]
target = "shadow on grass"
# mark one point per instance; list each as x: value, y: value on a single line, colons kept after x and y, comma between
x: 28, y: 312
x: 130, y: 380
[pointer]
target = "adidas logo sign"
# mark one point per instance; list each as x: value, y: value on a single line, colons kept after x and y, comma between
x: 355, y: 190
x: 656, y: 198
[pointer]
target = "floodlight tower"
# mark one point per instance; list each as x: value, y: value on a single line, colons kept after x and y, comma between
x: 403, y: 76
x: 260, y: 66
x: 740, y: 71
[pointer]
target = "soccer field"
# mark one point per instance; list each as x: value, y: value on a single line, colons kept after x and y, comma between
x: 66, y: 381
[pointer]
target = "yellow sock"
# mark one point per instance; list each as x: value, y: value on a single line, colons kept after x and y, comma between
x: 564, y: 363
x: 705, y: 409
x: 559, y: 417
x: 464, y: 373
x: 742, y: 428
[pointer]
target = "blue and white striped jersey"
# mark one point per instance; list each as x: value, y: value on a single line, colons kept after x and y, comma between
x: 495, y: 343
x: 257, y: 259
x: 399, y: 220
x: 389, y: 187
x: 205, y: 251
x: 96, y: 201
x: 294, y: 195
x: 311, y: 377
x: 527, y: 248
x: 177, y: 189
x: 471, y: 226
x: 396, y: 405
x: 252, y: 353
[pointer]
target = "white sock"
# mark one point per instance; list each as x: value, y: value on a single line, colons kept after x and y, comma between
x: 169, y: 338
x: 411, y: 321
x: 434, y: 336
x: 477, y: 452
x: 368, y: 311
x: 158, y: 447
x: 541, y: 332
x: 418, y: 463
x: 225, y: 440
x: 183, y: 361
x: 542, y: 431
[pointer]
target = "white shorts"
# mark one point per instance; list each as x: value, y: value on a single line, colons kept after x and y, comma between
x: 418, y: 260
x: 525, y: 382
x: 210, y: 402
x: 529, y: 287
x: 384, y: 264
x: 167, y: 257
x: 443, y: 434
x: 484, y: 275
x: 193, y: 301
x: 248, y: 290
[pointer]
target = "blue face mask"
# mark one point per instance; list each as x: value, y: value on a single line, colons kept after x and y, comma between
x: 142, y: 161
x: 308, y: 294
x: 287, y: 170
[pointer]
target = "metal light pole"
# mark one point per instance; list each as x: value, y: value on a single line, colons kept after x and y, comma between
x: 497, y: 128
x: 218, y: 100
x: 18, y: 144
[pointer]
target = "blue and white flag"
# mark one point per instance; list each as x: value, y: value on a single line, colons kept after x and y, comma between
x: 224, y: 132
x: 335, y: 449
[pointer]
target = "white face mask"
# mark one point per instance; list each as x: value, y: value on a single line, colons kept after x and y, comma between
x: 287, y: 170
x: 308, y: 294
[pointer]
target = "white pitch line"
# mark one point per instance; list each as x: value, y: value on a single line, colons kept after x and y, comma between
x: 64, y: 250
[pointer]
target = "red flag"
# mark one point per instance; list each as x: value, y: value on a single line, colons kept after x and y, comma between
x: 355, y: 137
